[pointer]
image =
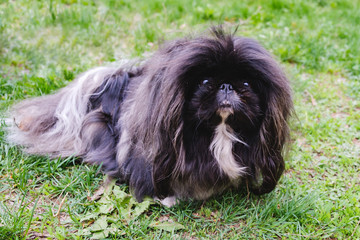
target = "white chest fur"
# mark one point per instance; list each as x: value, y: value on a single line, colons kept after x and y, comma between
x: 221, y: 148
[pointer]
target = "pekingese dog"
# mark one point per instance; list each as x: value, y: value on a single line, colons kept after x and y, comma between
x: 201, y: 115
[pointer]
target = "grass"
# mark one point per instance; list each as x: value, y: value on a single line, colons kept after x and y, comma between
x: 45, y: 44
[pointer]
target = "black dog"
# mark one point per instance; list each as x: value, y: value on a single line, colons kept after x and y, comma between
x: 199, y: 116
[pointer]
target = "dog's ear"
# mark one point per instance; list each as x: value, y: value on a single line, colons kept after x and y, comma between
x: 266, y: 154
x: 165, y: 128
x: 266, y: 161
x: 156, y: 120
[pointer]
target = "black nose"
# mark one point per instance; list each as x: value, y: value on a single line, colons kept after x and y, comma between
x: 227, y: 88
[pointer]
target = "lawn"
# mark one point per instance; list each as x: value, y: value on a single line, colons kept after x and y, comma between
x: 44, y: 45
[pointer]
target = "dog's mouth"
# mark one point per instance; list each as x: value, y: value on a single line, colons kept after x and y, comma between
x: 225, y: 108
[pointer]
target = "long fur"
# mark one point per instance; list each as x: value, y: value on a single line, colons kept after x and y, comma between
x: 159, y: 129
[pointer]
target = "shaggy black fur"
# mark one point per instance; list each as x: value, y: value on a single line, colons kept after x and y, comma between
x: 180, y: 122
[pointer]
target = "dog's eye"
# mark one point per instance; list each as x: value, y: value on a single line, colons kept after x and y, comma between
x: 205, y: 81
x: 246, y: 84
x: 206, y: 84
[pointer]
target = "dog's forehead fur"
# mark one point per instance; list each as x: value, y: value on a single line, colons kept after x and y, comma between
x: 219, y: 55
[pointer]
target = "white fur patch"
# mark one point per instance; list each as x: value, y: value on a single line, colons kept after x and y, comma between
x: 168, y: 201
x: 221, y: 148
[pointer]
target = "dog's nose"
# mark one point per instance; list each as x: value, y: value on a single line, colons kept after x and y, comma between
x: 227, y: 88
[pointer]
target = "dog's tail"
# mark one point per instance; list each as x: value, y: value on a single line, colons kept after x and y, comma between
x: 51, y: 125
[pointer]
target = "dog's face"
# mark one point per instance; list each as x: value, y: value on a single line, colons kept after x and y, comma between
x: 230, y: 95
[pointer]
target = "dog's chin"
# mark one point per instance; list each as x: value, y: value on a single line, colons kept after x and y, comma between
x: 224, y: 112
x: 225, y: 109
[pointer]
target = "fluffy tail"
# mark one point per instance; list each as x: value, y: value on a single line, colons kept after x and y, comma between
x: 51, y: 125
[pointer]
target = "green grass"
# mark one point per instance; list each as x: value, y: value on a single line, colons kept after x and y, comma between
x: 45, y: 44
